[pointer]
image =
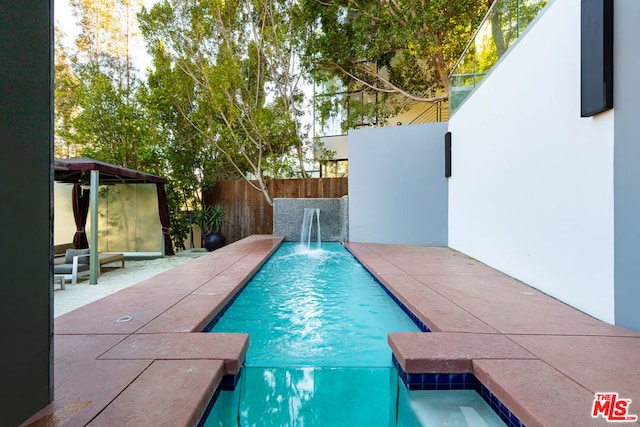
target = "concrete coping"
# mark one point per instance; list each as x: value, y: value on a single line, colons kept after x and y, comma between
x: 139, y: 357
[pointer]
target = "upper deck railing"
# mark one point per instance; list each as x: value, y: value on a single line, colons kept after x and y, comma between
x: 501, y: 27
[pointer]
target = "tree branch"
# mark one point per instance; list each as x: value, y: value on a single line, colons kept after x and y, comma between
x: 392, y: 88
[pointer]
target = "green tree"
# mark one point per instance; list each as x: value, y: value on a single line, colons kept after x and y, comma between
x: 235, y: 65
x: 392, y: 53
x: 103, y: 108
x: 108, y: 29
x: 99, y: 97
x: 65, y: 101
x: 112, y: 125
x: 509, y: 19
x: 190, y: 166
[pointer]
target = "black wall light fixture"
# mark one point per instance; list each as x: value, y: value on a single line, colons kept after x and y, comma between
x: 596, y: 57
x: 447, y: 154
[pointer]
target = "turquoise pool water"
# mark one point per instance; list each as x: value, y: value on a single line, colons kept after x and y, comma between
x: 318, y: 353
x: 315, y: 308
x: 309, y: 396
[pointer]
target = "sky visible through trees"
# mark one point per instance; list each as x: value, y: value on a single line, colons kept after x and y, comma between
x: 66, y: 22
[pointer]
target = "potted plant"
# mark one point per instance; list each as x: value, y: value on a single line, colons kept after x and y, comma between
x: 210, y: 219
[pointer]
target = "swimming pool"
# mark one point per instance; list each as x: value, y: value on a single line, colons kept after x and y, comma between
x: 315, y: 308
x: 318, y: 353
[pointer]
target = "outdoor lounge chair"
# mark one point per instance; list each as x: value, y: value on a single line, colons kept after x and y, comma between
x: 110, y: 257
x: 76, y: 264
x: 59, y: 252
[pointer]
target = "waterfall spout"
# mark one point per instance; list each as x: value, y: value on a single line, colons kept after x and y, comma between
x: 307, y: 223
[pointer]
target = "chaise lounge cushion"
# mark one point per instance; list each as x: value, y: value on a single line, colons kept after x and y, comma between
x: 67, y: 267
x: 70, y: 253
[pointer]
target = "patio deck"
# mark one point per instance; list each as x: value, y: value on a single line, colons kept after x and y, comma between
x: 543, y: 359
x: 138, y: 357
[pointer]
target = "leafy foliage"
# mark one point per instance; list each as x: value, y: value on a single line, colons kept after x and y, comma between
x: 225, y: 97
x: 111, y: 125
x: 398, y: 51
x: 210, y: 218
x: 65, y: 101
x: 230, y: 70
x: 98, y: 94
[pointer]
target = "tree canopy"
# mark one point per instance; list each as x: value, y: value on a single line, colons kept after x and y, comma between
x: 228, y: 92
x: 235, y: 70
x: 395, y: 51
x: 99, y: 95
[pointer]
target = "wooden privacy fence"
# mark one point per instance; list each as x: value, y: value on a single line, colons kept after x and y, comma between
x: 248, y: 212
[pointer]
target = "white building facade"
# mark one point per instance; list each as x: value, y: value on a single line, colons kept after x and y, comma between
x: 541, y: 193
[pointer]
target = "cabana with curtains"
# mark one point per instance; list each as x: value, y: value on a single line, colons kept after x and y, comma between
x: 87, y: 175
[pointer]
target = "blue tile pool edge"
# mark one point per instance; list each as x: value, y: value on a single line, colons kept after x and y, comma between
x: 457, y: 381
x: 229, y: 382
x: 419, y: 323
x: 221, y: 313
x: 246, y: 281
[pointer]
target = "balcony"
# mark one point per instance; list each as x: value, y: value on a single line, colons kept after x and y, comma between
x: 503, y: 25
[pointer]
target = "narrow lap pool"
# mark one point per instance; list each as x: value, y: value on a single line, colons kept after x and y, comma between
x: 318, y: 352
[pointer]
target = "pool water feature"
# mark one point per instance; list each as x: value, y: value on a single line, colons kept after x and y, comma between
x: 307, y: 223
x: 318, y: 353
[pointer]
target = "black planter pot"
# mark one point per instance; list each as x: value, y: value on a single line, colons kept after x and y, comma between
x: 213, y: 241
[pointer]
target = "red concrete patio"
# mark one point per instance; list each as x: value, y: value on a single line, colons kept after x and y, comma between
x: 543, y: 359
x: 138, y: 357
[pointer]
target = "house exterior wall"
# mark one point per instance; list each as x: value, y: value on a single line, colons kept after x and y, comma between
x: 626, y: 162
x: 532, y: 191
x: 397, y: 188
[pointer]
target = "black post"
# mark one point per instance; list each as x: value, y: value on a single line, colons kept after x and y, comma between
x: 447, y: 154
x: 26, y: 177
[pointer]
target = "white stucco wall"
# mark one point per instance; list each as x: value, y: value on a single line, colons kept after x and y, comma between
x: 627, y: 155
x: 532, y: 186
x: 397, y: 188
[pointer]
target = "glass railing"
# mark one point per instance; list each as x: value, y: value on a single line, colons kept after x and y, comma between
x: 500, y: 28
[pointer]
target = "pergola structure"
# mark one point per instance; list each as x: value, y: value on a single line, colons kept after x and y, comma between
x: 93, y: 173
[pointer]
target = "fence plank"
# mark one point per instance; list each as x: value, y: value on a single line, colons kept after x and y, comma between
x: 247, y: 210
